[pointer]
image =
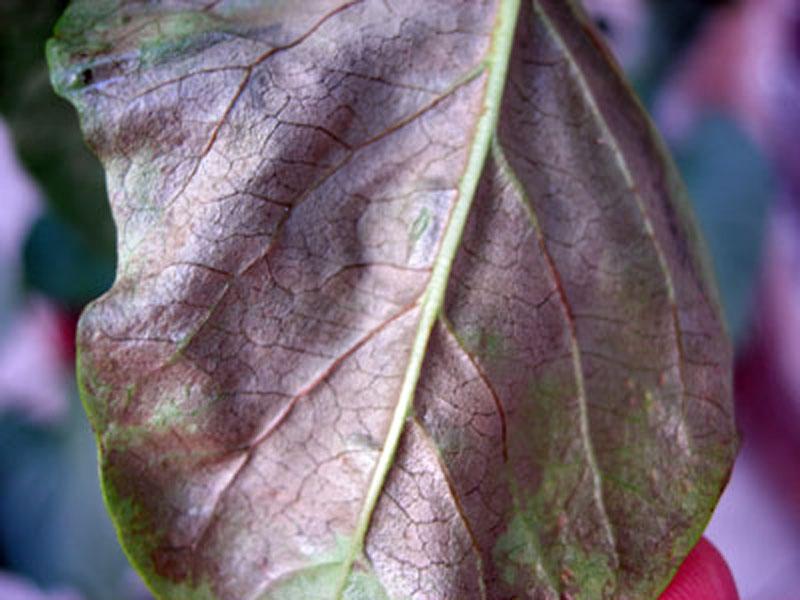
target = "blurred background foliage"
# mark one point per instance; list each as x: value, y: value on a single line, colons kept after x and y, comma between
x: 69, y: 251
x: 57, y: 254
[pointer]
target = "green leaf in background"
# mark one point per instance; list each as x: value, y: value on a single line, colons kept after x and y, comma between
x: 44, y: 128
x: 409, y: 304
x: 732, y: 185
x: 59, y: 263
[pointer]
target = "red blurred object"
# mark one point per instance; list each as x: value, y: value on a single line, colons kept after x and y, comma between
x: 67, y: 327
x: 703, y: 576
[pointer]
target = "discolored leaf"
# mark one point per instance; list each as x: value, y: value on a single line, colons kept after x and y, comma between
x: 408, y: 304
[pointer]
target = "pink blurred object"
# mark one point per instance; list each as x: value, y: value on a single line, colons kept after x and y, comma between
x: 33, y: 374
x: 16, y: 588
x: 35, y: 361
x: 20, y: 202
x: 768, y: 370
x: 742, y: 63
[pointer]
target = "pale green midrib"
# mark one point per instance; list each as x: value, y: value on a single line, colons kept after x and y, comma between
x: 496, y: 63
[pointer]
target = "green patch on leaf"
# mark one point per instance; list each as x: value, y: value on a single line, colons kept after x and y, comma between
x: 519, y: 552
x: 420, y: 225
x: 177, y: 36
x: 590, y: 574
x: 322, y: 581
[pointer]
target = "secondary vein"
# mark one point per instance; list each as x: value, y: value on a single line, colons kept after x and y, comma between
x: 628, y: 177
x: 575, y: 350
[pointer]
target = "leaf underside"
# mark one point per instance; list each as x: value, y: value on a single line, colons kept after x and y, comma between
x: 408, y: 304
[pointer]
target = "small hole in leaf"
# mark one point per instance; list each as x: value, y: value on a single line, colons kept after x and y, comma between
x: 87, y: 76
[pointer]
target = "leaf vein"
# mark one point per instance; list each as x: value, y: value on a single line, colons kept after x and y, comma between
x: 501, y: 411
x: 497, y: 64
x: 625, y: 170
x: 272, y: 426
x: 458, y: 505
x: 575, y: 350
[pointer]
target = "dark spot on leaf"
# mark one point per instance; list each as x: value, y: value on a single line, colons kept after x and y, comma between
x: 170, y: 563
x: 604, y: 25
x: 162, y: 128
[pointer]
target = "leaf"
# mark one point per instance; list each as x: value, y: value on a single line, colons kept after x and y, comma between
x: 408, y: 304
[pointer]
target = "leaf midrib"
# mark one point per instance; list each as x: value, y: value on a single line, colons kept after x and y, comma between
x: 497, y: 62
